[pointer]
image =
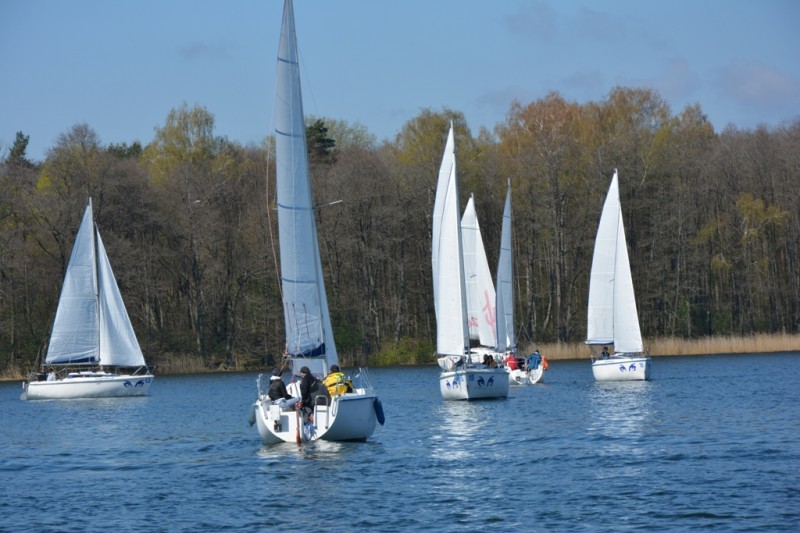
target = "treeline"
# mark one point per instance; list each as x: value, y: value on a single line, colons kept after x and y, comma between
x: 712, y: 218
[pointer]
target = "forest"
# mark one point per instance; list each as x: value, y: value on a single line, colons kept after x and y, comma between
x: 712, y: 220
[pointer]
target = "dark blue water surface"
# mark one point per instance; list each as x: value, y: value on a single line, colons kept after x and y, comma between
x: 710, y: 443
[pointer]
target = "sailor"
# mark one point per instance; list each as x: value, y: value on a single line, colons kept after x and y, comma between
x: 511, y: 362
x: 310, y: 389
x: 277, y: 391
x: 336, y: 382
x: 533, y: 360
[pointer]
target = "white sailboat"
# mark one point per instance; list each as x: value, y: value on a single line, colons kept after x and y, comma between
x: 611, y: 317
x: 309, y: 335
x: 461, y: 378
x: 526, y: 371
x: 93, y: 351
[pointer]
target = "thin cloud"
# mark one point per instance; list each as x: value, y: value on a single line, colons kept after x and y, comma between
x: 757, y: 84
x: 499, y: 101
x: 200, y: 50
x: 676, y: 81
x: 537, y: 20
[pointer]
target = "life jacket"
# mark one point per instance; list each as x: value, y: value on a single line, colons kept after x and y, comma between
x: 511, y: 362
x: 337, y: 384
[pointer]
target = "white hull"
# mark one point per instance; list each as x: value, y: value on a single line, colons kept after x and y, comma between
x: 474, y: 384
x: 618, y: 368
x: 95, y: 386
x: 350, y: 417
x: 522, y: 377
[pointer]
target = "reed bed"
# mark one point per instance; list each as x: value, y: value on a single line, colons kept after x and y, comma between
x: 670, y: 346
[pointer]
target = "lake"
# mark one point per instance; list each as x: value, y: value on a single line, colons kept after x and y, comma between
x: 711, y: 442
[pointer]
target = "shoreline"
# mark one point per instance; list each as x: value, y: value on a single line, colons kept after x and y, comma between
x: 761, y: 343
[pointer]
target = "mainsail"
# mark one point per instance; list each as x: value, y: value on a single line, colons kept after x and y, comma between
x: 308, y: 326
x: 449, y: 293
x: 506, y: 336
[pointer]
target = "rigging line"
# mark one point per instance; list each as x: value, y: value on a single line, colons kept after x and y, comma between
x: 269, y: 221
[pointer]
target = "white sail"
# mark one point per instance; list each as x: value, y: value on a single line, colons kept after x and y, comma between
x: 308, y: 327
x: 612, y: 317
x: 506, y: 335
x: 91, y: 324
x: 75, y: 335
x: 452, y: 334
x: 480, y: 288
x: 448, y: 165
x: 118, y: 344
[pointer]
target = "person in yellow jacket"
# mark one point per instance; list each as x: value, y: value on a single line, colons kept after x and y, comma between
x: 336, y: 382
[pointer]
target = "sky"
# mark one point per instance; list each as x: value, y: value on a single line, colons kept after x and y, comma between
x: 120, y: 66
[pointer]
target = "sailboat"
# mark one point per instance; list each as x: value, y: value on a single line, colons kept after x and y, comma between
x: 480, y: 287
x: 461, y: 378
x: 350, y: 416
x: 93, y: 351
x: 526, y: 371
x: 611, y: 317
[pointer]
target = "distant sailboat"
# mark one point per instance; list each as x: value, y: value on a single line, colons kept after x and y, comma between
x: 526, y: 371
x: 92, y: 333
x: 612, y: 318
x: 461, y: 378
x: 309, y: 336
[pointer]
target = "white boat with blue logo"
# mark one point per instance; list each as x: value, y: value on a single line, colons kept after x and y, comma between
x: 612, y: 319
x: 93, y: 350
x: 461, y: 378
x: 350, y: 416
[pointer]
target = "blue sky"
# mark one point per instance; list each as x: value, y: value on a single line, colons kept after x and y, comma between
x: 121, y: 66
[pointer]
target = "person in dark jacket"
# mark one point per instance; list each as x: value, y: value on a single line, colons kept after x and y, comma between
x: 310, y: 388
x: 277, y: 391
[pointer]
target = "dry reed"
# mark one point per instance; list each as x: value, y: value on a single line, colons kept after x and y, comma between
x: 667, y: 346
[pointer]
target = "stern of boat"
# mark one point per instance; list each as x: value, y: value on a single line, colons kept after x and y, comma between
x: 619, y: 368
x: 474, y: 384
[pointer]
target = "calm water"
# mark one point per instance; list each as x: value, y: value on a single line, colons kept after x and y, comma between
x: 710, y: 443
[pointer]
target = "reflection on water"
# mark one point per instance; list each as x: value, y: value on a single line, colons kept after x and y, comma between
x: 460, y: 424
x: 620, y: 415
x: 620, y: 409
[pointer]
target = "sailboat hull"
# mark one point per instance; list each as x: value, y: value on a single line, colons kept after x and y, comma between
x: 474, y: 384
x: 88, y: 386
x: 523, y: 377
x: 350, y: 417
x: 622, y: 369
